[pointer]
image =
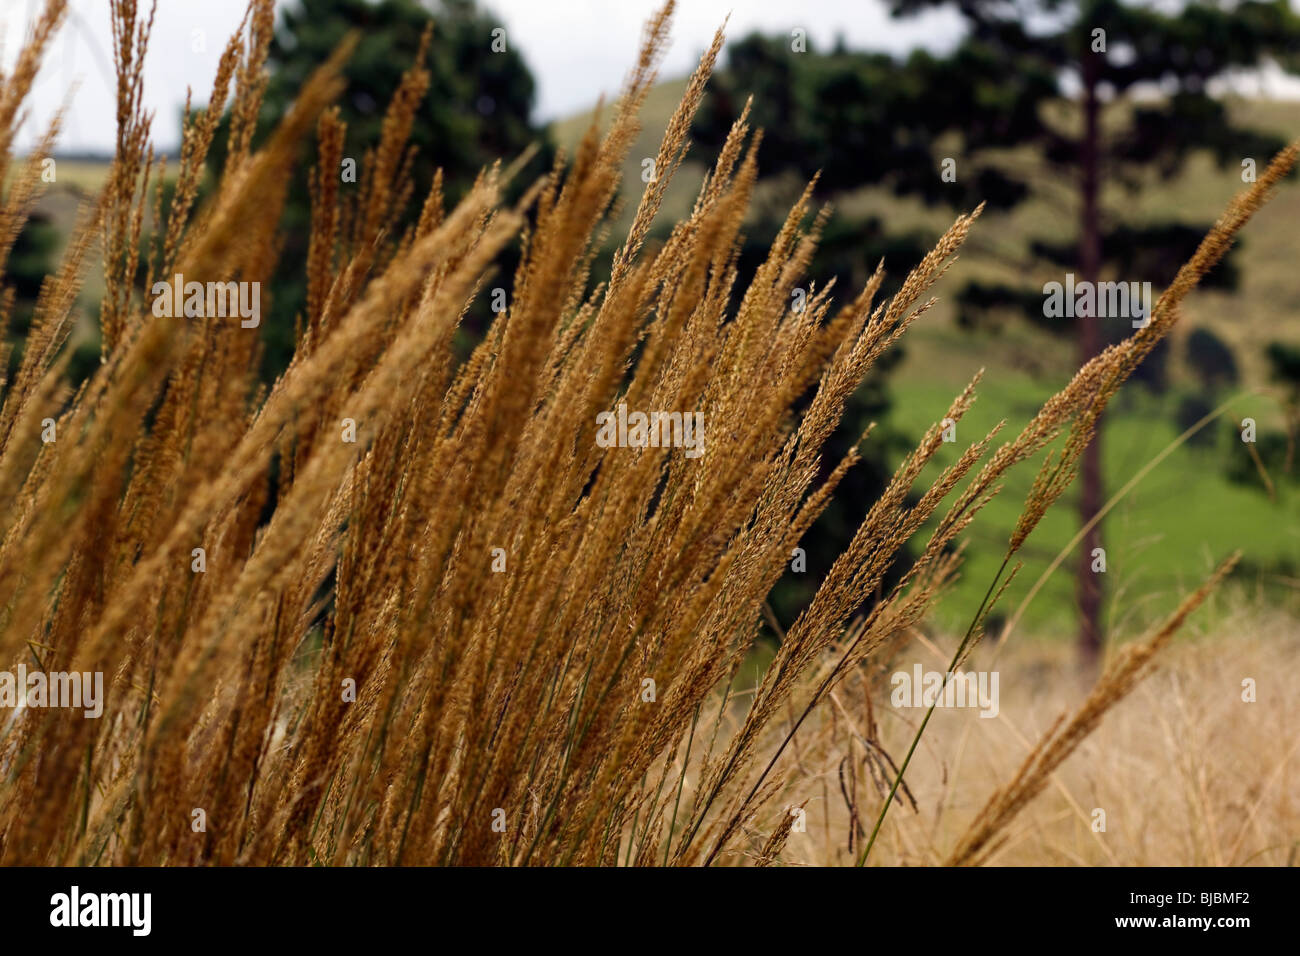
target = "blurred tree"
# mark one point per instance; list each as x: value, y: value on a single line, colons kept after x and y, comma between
x: 1017, y: 108
x: 1103, y: 52
x: 1191, y: 409
x: 30, y: 260
x: 478, y: 109
x: 1284, y: 367
x: 1212, y: 359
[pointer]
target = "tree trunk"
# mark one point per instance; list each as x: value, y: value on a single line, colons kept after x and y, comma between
x: 1089, y: 582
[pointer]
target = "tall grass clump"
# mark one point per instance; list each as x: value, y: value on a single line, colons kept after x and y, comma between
x: 473, y: 635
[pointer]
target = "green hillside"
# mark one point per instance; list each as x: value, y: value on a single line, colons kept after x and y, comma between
x: 1185, y: 514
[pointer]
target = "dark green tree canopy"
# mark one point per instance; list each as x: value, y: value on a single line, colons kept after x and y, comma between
x: 870, y: 119
x: 478, y: 109
x: 480, y: 100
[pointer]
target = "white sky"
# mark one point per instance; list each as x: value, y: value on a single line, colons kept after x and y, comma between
x: 576, y: 49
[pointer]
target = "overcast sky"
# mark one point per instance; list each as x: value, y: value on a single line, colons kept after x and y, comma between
x: 577, y: 50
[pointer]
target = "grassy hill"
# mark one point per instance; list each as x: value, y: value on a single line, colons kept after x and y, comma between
x: 1185, y: 514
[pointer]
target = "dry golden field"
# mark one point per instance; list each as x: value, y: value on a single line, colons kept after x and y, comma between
x: 400, y: 608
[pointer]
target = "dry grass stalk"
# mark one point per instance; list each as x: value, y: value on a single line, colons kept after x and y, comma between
x: 1121, y: 675
x: 500, y: 713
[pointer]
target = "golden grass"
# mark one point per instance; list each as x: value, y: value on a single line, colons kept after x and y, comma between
x: 501, y: 711
x: 1186, y: 772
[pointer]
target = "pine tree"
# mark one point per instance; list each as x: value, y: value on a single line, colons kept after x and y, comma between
x: 1101, y: 92
x: 1099, y: 55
